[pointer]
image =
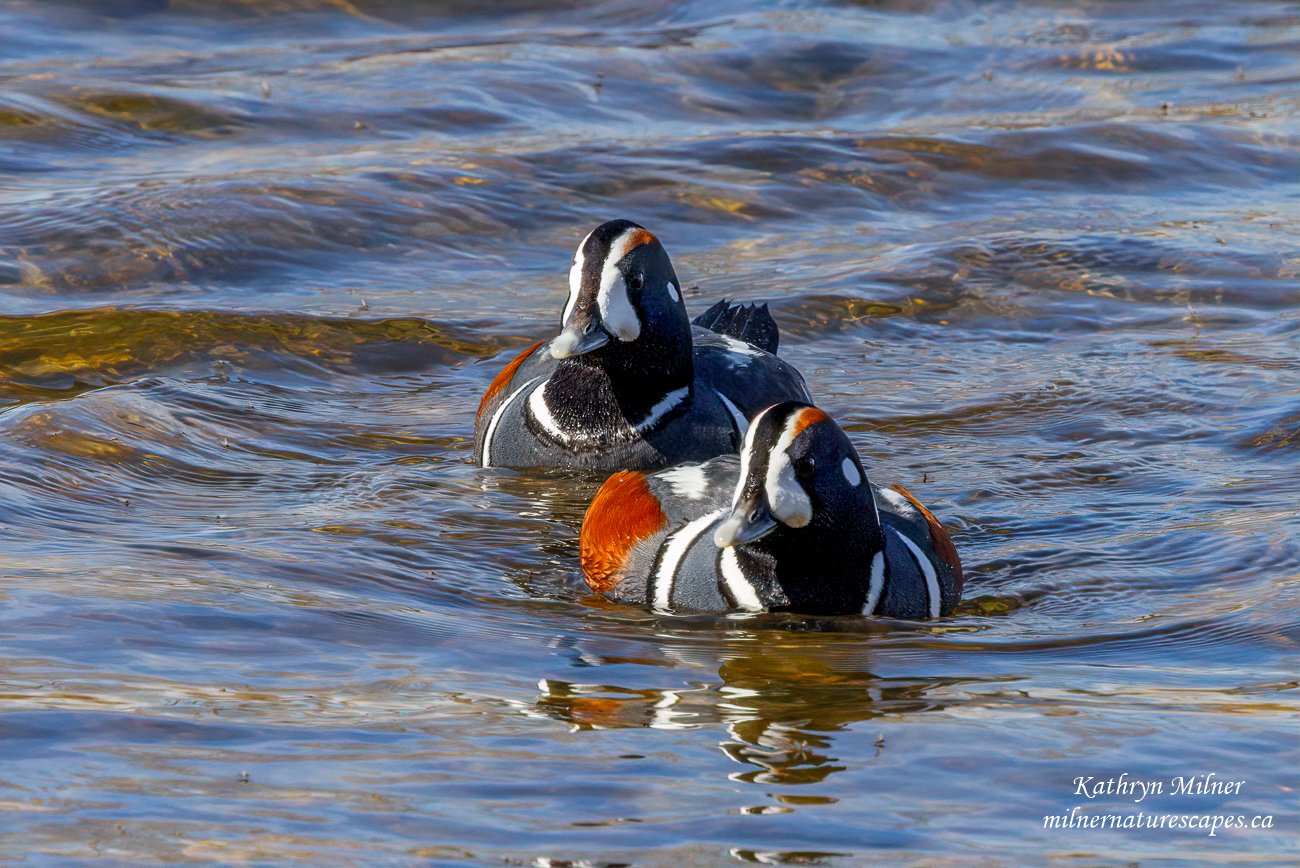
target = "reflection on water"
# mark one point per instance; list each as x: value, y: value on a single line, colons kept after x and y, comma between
x: 259, y: 260
x: 780, y: 711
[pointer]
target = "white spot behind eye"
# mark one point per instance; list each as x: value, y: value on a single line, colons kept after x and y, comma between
x: 672, y: 291
x: 851, y: 472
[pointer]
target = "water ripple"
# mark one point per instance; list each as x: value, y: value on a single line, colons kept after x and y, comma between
x: 259, y: 260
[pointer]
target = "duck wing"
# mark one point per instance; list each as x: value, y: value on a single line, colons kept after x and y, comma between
x: 751, y: 323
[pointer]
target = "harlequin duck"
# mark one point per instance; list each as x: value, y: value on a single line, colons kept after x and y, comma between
x: 792, y: 524
x: 630, y: 382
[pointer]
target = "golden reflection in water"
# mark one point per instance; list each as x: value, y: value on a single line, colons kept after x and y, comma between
x: 780, y: 710
x: 259, y: 258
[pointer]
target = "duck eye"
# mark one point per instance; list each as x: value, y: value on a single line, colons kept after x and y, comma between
x: 635, y: 281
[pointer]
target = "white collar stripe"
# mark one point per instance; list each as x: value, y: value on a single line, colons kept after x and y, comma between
x: 658, y: 411
x: 496, y: 420
x: 541, y: 413
x: 927, y: 568
x: 675, y: 549
x: 740, y: 588
x: 877, y: 584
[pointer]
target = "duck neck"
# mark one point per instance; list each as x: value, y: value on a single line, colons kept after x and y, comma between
x: 825, y: 566
x: 622, y: 385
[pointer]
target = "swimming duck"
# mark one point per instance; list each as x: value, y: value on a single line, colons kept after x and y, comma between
x: 791, y: 524
x: 630, y: 382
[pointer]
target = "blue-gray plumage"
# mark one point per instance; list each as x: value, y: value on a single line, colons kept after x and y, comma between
x: 791, y: 524
x: 630, y: 382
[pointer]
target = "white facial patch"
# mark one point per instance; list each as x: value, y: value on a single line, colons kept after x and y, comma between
x: 575, y: 280
x: 851, y: 473
x: 785, y: 496
x: 745, y: 452
x: 616, y: 310
x: 673, y: 293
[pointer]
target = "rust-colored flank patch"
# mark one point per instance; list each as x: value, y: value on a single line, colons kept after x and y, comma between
x: 502, y: 380
x: 623, y: 513
x: 943, y: 546
x: 807, y: 418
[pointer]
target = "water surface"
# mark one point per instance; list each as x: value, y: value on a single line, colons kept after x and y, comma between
x: 259, y: 260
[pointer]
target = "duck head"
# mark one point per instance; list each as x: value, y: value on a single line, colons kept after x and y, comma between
x: 801, y: 481
x: 625, y: 303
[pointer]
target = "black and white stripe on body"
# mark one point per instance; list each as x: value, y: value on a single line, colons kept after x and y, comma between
x: 792, y: 524
x: 629, y: 381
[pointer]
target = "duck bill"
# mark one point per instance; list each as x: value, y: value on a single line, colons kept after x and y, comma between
x: 750, y: 520
x: 578, y: 340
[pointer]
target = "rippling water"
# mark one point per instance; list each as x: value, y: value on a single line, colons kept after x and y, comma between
x: 259, y: 259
